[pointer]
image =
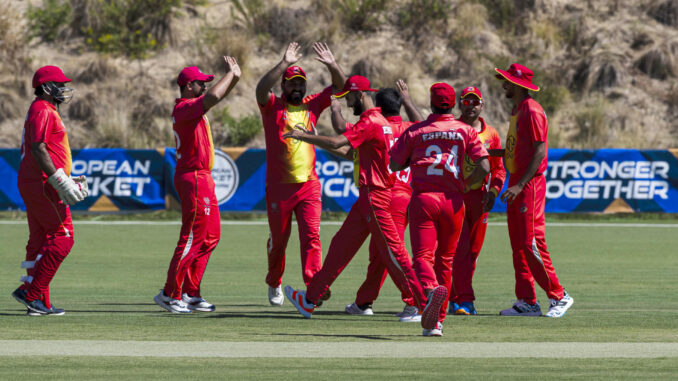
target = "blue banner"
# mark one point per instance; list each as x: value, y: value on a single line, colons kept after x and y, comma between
x: 606, y: 180
x: 118, y: 179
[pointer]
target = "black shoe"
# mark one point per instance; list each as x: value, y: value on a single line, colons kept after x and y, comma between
x: 19, y: 295
x: 37, y: 306
x: 52, y: 311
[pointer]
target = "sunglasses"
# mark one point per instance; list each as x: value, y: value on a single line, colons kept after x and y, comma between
x: 471, y: 102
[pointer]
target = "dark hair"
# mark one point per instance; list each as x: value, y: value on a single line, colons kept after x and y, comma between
x: 389, y: 100
x: 182, y: 88
x: 437, y: 110
x: 39, y: 91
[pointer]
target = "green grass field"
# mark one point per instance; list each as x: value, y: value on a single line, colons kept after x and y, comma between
x: 623, y: 280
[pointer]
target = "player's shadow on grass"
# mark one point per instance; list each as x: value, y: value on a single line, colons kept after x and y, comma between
x: 126, y: 304
x: 342, y: 335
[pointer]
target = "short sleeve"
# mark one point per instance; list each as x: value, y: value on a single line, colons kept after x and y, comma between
x: 269, y: 103
x: 360, y: 133
x: 189, y: 109
x: 402, y: 149
x: 535, y: 120
x: 320, y: 101
x: 474, y: 147
x: 41, y: 125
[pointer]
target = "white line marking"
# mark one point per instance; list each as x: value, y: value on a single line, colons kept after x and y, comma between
x: 337, y: 223
x: 423, y: 349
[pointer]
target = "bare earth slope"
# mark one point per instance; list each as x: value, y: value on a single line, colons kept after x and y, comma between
x: 607, y: 68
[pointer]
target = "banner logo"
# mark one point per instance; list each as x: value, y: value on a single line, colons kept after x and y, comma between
x: 225, y: 175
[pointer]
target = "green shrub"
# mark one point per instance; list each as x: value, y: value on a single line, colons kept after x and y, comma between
x: 363, y: 15
x: 415, y: 14
x: 240, y: 131
x: 49, y: 21
x: 551, y: 98
x: 591, y: 123
x: 508, y: 14
x: 130, y: 27
x: 251, y: 14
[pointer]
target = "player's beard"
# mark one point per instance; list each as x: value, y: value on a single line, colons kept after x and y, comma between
x: 295, y: 97
x: 358, y: 108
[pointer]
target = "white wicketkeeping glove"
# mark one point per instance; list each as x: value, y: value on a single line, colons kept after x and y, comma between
x: 81, y: 182
x: 69, y: 192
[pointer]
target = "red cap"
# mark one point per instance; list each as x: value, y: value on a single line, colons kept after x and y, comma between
x: 442, y: 95
x: 192, y: 73
x: 49, y: 74
x: 294, y: 72
x: 471, y: 90
x: 519, y: 75
x: 355, y: 83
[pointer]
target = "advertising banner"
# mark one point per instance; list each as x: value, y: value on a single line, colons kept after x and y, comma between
x: 606, y: 180
x: 118, y: 179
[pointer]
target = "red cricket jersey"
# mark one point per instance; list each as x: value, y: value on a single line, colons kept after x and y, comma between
x: 371, y: 137
x: 291, y: 160
x: 433, y: 149
x: 402, y: 177
x: 528, y: 125
x: 491, y: 140
x: 43, y: 124
x: 195, y: 149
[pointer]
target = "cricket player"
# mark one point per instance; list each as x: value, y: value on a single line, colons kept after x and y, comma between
x: 525, y: 158
x: 292, y: 185
x: 200, y: 220
x: 390, y: 101
x: 434, y: 149
x: 371, y: 137
x: 47, y: 190
x: 477, y: 201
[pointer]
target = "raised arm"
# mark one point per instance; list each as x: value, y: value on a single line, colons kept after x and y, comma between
x: 217, y: 92
x: 269, y: 80
x: 327, y: 58
x: 410, y: 109
x: 338, y: 121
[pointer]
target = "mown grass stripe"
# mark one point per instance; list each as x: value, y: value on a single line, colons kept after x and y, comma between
x: 432, y: 349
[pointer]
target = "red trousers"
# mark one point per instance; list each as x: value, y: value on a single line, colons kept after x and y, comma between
x: 376, y: 270
x: 50, y: 238
x: 200, y: 232
x: 526, y: 228
x: 436, y: 221
x: 304, y: 199
x: 371, y: 214
x: 469, y: 246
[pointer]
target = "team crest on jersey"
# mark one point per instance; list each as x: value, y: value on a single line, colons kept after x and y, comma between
x: 485, y: 220
x: 523, y: 208
x: 206, y: 200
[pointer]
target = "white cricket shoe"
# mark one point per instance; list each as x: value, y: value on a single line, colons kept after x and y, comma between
x: 522, y: 308
x: 275, y: 296
x: 407, y: 311
x: 437, y: 330
x: 354, y: 309
x: 197, y: 304
x: 559, y: 307
x: 170, y: 304
x: 414, y: 318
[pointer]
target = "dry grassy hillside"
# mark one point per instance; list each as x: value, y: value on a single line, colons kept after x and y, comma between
x: 607, y: 68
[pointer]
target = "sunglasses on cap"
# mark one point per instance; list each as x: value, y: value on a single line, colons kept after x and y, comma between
x: 471, y: 102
